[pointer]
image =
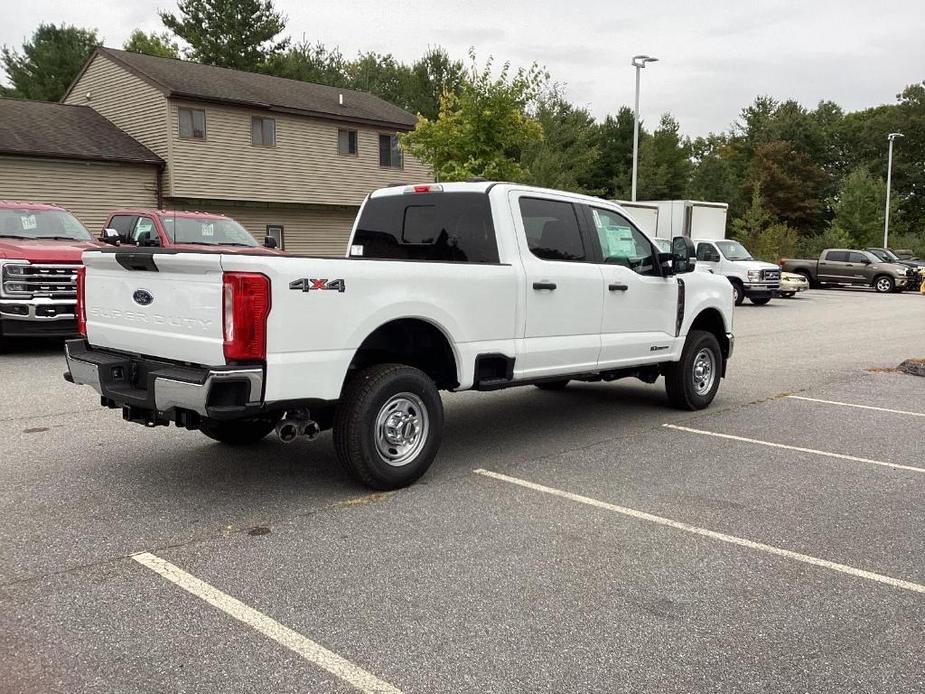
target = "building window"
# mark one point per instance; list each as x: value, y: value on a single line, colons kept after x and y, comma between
x: 263, y: 131
x: 389, y: 152
x: 275, y: 231
x: 347, y: 142
x: 192, y: 123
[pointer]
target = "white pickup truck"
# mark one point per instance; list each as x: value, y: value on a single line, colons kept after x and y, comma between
x: 755, y: 279
x: 459, y: 286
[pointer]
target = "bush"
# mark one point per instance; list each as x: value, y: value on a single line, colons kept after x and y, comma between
x: 812, y: 246
x: 776, y: 242
x: 909, y: 241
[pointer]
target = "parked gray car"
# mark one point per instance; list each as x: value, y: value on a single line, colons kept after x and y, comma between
x: 851, y: 267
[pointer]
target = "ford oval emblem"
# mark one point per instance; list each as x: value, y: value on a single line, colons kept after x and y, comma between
x: 143, y: 297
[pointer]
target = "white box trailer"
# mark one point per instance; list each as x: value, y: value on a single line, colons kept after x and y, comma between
x: 645, y: 214
x: 697, y: 219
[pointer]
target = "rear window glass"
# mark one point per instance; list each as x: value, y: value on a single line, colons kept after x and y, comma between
x: 448, y: 227
x: 837, y: 256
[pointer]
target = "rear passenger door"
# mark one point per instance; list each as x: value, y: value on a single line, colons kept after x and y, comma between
x: 562, y: 300
x: 832, y: 267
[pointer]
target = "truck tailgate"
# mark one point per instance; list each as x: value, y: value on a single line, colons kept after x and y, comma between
x: 162, y: 304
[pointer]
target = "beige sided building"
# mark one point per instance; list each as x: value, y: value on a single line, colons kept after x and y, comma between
x: 73, y: 157
x: 284, y: 157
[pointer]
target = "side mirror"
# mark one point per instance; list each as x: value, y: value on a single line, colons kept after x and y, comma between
x: 684, y: 254
x: 111, y: 236
x: 270, y: 242
x: 145, y: 239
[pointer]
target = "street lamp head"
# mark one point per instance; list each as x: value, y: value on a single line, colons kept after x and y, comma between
x: 893, y: 136
x: 641, y: 60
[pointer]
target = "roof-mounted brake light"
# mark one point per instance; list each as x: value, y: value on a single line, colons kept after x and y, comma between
x: 426, y: 188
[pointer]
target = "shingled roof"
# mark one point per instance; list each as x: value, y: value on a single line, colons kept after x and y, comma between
x: 44, y: 129
x: 183, y: 79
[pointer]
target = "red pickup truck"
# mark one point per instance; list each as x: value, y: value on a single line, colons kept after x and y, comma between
x: 181, y: 230
x: 40, y: 249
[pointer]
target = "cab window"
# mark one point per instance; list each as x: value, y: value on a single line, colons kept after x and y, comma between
x: 144, y: 225
x: 552, y: 229
x: 860, y: 258
x: 707, y: 252
x: 124, y: 224
x: 622, y: 243
x: 837, y: 256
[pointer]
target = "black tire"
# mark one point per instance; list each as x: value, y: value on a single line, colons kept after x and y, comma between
x: 553, y: 385
x: 679, y: 377
x: 360, y: 439
x: 238, y: 432
x: 760, y: 302
x: 883, y: 284
x: 812, y: 283
x: 738, y: 292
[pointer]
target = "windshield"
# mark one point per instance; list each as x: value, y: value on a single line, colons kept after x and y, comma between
x: 733, y: 250
x: 207, y: 232
x: 41, y: 224
x: 664, y: 245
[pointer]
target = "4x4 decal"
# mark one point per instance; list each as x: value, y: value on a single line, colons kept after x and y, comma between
x: 307, y: 285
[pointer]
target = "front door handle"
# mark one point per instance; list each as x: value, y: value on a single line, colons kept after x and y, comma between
x: 544, y: 285
x: 617, y: 287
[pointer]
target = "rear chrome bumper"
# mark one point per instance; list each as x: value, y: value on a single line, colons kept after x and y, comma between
x: 155, y: 390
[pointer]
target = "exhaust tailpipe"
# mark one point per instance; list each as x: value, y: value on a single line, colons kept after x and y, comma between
x: 296, y: 424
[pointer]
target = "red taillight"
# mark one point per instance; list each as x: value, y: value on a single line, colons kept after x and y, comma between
x: 246, y: 305
x: 82, y: 300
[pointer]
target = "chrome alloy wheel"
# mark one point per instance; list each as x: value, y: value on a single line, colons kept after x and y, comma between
x: 884, y: 285
x: 703, y: 373
x: 402, y: 426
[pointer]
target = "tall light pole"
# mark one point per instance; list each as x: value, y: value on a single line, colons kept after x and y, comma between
x: 889, y: 174
x: 639, y: 62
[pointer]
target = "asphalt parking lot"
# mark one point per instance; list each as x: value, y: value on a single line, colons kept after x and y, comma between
x: 562, y: 542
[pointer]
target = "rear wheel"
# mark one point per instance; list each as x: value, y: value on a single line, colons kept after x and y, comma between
x: 808, y: 278
x: 388, y: 425
x: 238, y: 432
x: 884, y: 284
x: 760, y: 302
x: 691, y: 383
x: 553, y: 385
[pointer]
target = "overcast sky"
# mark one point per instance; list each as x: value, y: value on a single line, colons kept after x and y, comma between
x: 715, y: 56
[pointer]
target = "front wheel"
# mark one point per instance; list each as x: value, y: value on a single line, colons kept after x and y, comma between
x: 738, y: 293
x: 760, y: 302
x: 388, y: 425
x: 691, y: 383
x: 884, y: 284
x: 238, y: 432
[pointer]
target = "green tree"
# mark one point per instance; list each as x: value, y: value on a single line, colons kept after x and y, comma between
x: 566, y: 155
x: 761, y: 235
x: 49, y: 61
x: 859, y: 208
x: 612, y: 170
x: 310, y: 63
x: 383, y: 76
x: 664, y: 163
x: 482, y: 130
x: 239, y: 34
x: 431, y: 76
x: 790, y: 184
x: 161, y: 45
x: 714, y: 174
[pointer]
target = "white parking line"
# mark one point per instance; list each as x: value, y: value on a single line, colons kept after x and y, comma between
x: 712, y: 534
x: 308, y: 649
x: 828, y: 454
x: 860, y: 407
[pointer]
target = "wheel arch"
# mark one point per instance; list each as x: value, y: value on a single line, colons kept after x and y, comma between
x: 711, y: 320
x: 414, y: 341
